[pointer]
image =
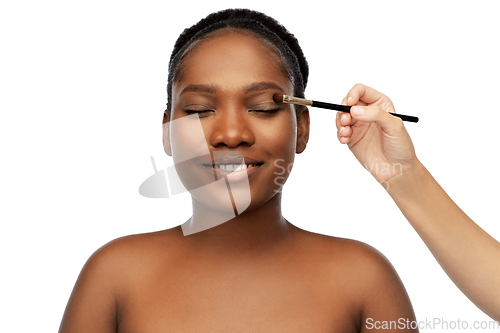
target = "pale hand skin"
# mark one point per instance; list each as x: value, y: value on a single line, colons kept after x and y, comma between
x: 469, y: 255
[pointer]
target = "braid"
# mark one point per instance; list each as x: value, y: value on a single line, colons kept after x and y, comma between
x: 258, y: 23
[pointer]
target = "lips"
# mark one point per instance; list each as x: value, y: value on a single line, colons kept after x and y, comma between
x: 231, y: 163
x: 231, y: 159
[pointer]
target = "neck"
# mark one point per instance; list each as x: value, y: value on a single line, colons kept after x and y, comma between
x: 254, y: 230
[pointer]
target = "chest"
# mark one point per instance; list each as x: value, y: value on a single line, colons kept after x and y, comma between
x: 239, y: 300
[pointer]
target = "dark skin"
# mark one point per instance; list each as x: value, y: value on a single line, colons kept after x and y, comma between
x: 256, y: 272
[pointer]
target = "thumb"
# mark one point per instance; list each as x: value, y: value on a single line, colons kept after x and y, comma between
x: 374, y: 114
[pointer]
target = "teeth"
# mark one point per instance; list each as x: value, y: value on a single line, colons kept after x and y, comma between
x: 234, y: 167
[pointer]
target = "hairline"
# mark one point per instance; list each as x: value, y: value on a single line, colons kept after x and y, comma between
x: 178, y: 74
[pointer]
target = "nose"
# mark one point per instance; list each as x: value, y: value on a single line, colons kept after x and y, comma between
x: 231, y: 128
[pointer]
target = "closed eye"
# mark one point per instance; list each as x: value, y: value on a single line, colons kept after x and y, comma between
x: 260, y: 110
x: 268, y: 110
x: 196, y: 111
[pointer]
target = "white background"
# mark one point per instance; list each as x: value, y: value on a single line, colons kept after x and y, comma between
x: 83, y: 89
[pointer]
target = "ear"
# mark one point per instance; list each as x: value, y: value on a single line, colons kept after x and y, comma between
x: 166, y: 133
x: 302, y: 131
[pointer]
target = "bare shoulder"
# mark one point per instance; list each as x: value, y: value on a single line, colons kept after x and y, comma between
x: 357, y: 255
x: 127, y: 255
x: 364, y: 276
x: 138, y: 244
x: 106, y: 277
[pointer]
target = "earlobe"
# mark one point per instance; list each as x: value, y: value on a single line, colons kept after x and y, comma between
x: 302, y: 131
x: 166, y: 134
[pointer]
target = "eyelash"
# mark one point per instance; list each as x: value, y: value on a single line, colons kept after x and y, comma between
x: 196, y: 111
x: 262, y: 111
x: 268, y: 111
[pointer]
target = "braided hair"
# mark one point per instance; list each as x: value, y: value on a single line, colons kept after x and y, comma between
x: 261, y: 26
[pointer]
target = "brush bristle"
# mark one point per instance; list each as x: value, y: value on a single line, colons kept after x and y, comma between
x: 278, y: 98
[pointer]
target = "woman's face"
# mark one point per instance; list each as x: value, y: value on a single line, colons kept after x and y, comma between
x: 228, y: 81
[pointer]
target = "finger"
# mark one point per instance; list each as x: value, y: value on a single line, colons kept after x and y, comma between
x: 374, y: 114
x: 364, y: 94
x: 343, y: 139
x: 338, y: 116
x: 345, y: 131
x: 342, y: 119
x: 343, y: 122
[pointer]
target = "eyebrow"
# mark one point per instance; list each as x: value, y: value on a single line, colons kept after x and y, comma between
x: 210, y: 89
x: 261, y: 86
x: 200, y: 88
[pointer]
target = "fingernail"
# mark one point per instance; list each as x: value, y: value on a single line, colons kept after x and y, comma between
x: 349, y: 99
x: 357, y: 110
x: 342, y: 117
x: 341, y: 129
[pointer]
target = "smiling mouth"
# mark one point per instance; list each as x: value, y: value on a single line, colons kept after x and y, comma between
x: 236, y: 172
x: 232, y: 167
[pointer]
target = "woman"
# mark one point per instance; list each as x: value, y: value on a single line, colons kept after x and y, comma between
x: 250, y: 269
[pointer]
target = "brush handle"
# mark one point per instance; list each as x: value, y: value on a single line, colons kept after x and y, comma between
x: 405, y: 117
x: 329, y: 106
x: 345, y: 108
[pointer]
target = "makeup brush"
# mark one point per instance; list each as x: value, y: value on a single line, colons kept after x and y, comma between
x: 280, y: 98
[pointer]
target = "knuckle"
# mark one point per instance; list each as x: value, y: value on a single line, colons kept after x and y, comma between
x: 400, y: 122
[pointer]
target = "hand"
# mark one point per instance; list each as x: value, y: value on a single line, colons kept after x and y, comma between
x: 378, y: 139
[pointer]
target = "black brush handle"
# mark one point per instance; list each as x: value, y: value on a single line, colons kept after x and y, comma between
x: 329, y: 106
x: 405, y: 117
x: 345, y: 108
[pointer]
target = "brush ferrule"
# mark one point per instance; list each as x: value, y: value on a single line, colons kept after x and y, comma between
x: 296, y: 100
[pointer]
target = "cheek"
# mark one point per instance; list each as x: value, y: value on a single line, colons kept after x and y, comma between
x: 281, y: 142
x: 282, y: 134
x: 187, y: 138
